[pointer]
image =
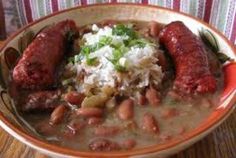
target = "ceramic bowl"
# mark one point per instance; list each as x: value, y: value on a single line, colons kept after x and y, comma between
x: 14, y: 46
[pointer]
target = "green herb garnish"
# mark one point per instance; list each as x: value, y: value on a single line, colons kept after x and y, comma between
x: 91, y: 61
x: 120, y: 68
x: 140, y: 43
x: 105, y: 40
x: 122, y: 30
x: 120, y: 48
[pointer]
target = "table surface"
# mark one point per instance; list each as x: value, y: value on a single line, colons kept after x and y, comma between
x: 221, y: 143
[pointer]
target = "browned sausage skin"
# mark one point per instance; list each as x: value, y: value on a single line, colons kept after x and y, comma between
x: 190, y: 57
x: 36, y: 68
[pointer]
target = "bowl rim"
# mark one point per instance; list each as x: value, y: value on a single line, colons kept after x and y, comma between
x: 43, y: 145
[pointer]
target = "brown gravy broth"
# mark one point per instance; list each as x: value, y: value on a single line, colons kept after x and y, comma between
x: 148, y: 125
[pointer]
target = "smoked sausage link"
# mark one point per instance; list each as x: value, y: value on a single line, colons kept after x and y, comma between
x: 190, y: 58
x: 36, y: 68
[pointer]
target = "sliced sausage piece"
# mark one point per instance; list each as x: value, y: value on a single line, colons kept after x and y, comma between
x: 193, y: 74
x: 74, y: 97
x: 149, y: 124
x: 126, y: 109
x: 41, y: 101
x: 106, y: 130
x: 89, y: 112
x: 102, y: 144
x: 57, y: 115
x: 36, y: 68
x: 153, y: 96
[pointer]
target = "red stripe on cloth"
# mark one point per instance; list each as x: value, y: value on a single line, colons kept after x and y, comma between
x: 83, y: 2
x: 113, y: 1
x: 233, y: 34
x: 54, y: 5
x: 28, y: 11
x: 207, y: 11
x: 176, y: 5
x: 144, y: 1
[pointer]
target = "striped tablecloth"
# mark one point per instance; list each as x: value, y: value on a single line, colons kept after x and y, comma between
x: 219, y: 13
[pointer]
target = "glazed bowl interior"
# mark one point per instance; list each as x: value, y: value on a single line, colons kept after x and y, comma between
x: 96, y: 13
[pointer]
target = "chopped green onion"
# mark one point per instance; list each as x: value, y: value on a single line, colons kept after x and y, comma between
x: 120, y: 48
x: 120, y: 68
x: 85, y: 50
x: 91, y: 61
x: 122, y: 30
x: 105, y: 40
x: 140, y: 43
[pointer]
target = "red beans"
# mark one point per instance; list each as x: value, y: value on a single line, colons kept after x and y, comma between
x: 149, y: 123
x: 89, y: 112
x: 106, y: 130
x: 45, y: 128
x: 74, y: 97
x: 154, y: 28
x: 206, y: 103
x: 169, y: 113
x: 174, y: 95
x: 128, y: 144
x: 68, y: 134
x: 125, y: 110
x: 102, y: 144
x: 153, y: 96
x: 57, y: 115
x: 75, y: 126
x: 94, y: 120
x: 131, y: 125
x: 141, y: 99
